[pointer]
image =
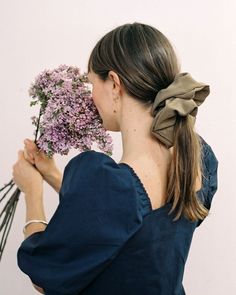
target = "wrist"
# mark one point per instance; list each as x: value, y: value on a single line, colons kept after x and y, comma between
x: 34, y: 207
x: 34, y: 199
x: 33, y: 226
x: 34, y: 193
x: 54, y: 179
x: 34, y: 222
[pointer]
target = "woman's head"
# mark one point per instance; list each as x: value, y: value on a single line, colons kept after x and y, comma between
x: 136, y: 58
x: 133, y: 63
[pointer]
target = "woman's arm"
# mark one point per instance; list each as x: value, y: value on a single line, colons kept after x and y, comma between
x: 35, y: 210
x: 30, y: 182
x: 54, y: 179
x: 46, y: 166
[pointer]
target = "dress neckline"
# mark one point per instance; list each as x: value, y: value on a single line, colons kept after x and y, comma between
x: 166, y: 205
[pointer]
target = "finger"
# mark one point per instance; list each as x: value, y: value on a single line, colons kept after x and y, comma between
x: 30, y: 145
x: 21, y: 155
x: 28, y: 153
x: 28, y: 157
x: 32, y: 149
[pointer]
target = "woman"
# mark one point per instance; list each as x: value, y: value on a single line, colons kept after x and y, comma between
x: 124, y: 228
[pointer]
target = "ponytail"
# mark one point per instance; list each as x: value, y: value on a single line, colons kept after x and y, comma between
x: 184, y: 169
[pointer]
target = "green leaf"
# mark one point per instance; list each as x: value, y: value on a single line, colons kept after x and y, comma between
x: 32, y: 103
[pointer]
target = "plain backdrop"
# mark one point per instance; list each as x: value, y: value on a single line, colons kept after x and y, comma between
x: 38, y: 35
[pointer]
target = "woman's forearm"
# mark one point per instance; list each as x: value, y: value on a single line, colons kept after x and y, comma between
x: 34, y: 210
x: 54, y: 180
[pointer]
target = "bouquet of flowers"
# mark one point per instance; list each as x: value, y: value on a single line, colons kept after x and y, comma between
x: 67, y: 119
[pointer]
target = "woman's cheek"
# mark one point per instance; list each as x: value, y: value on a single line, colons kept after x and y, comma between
x: 95, y: 100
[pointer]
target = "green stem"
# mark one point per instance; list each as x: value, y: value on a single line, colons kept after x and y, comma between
x: 37, y: 128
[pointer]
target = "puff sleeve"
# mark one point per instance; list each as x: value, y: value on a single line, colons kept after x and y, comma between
x: 97, y: 213
x: 210, y: 179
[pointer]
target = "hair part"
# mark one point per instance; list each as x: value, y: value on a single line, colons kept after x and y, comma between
x: 145, y: 62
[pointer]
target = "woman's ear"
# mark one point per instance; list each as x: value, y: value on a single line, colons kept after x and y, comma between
x: 116, y: 81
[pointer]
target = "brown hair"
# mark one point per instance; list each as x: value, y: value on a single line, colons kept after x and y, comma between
x: 145, y: 62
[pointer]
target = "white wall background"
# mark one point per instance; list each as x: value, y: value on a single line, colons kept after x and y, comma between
x: 35, y: 35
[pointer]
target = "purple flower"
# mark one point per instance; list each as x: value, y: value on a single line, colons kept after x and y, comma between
x: 69, y: 118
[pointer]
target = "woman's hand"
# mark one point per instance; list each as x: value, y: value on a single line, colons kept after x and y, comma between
x: 46, y: 166
x: 26, y: 177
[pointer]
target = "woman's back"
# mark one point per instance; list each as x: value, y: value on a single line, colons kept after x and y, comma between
x: 153, y: 260
x: 152, y: 170
x: 153, y: 173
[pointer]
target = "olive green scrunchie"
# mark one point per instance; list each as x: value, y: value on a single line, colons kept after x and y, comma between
x: 182, y: 97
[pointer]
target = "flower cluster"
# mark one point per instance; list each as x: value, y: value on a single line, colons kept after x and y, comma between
x: 68, y: 116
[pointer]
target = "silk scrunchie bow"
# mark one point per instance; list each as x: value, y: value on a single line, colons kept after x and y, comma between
x: 182, y: 97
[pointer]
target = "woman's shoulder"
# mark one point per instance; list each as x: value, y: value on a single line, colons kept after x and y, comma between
x: 95, y: 165
x: 209, y: 158
x: 95, y: 173
x: 210, y: 175
x: 89, y: 167
x: 88, y: 154
x: 91, y: 158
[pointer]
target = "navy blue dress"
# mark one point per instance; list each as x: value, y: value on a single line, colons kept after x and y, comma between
x: 105, y: 239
